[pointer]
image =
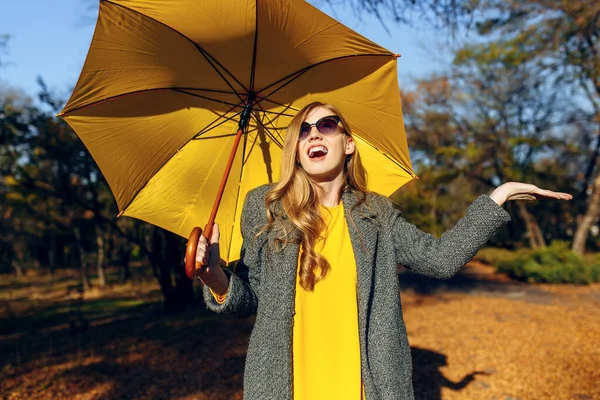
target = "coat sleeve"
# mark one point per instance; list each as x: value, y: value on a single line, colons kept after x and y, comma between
x: 443, y: 257
x: 241, y: 296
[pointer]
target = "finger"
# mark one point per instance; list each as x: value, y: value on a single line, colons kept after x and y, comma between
x: 522, y: 196
x: 202, y: 240
x: 214, y: 238
x: 557, y: 195
x: 197, y: 268
x: 548, y: 193
x: 213, y: 250
x: 565, y: 196
x: 541, y: 194
x: 201, y: 255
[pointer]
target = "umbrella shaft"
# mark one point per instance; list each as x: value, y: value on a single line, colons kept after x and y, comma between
x: 211, y: 220
x: 244, y: 119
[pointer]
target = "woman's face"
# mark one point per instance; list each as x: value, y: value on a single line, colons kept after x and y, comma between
x: 322, y: 155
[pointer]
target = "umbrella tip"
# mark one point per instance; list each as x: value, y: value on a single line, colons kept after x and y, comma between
x: 396, y: 55
x: 120, y: 214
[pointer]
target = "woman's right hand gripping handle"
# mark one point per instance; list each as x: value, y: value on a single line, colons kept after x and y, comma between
x: 207, y: 263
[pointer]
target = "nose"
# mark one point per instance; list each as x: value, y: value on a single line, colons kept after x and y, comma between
x: 314, y: 133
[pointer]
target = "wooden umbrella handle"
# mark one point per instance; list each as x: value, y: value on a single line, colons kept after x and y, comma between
x: 192, y: 245
x: 192, y: 248
x: 190, y: 252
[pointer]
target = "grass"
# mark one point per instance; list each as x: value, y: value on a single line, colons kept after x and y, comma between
x: 50, y: 332
x: 555, y: 264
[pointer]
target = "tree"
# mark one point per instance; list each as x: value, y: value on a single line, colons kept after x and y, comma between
x: 3, y: 46
x: 562, y: 38
x: 440, y: 13
x: 438, y: 150
x: 18, y: 225
x: 488, y: 121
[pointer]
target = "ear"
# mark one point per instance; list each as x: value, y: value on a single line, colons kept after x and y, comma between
x: 350, y: 146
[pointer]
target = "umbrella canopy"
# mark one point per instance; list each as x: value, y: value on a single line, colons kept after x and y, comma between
x: 165, y: 83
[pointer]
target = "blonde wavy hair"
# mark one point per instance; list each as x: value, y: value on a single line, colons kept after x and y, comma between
x: 296, y: 198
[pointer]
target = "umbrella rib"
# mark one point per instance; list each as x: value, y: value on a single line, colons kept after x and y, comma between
x: 273, y: 125
x: 222, y: 117
x: 245, y: 159
x: 295, y: 75
x: 210, y: 126
x: 184, y: 91
x: 214, y: 137
x: 207, y: 55
x: 406, y: 169
x: 270, y: 135
x: 290, y: 78
x: 227, y: 103
x: 277, y: 143
x: 204, y: 130
x: 210, y: 60
x: 254, y: 50
x: 180, y: 89
x: 202, y: 51
x: 286, y: 106
x: 289, y: 106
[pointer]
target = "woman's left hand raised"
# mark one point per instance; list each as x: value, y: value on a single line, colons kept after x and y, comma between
x: 524, y: 191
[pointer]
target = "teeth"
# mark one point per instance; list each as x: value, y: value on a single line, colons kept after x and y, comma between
x: 315, y: 149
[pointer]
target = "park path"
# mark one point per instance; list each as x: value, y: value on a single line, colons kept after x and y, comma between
x: 477, y: 336
x: 481, y: 335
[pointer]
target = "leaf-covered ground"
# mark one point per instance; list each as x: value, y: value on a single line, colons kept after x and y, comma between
x: 476, y: 336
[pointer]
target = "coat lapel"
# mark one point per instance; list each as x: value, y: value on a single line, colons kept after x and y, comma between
x: 282, y: 266
x: 364, y: 233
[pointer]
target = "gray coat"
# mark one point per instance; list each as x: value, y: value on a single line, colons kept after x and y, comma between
x: 381, y: 240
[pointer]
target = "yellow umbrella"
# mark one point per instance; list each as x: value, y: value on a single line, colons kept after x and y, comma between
x: 167, y: 83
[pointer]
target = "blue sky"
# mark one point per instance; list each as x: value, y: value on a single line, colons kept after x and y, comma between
x: 50, y: 39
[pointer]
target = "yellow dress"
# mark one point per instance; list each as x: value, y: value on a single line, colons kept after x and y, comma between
x: 326, y: 348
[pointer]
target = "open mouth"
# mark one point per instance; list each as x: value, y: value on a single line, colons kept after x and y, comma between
x: 317, y: 151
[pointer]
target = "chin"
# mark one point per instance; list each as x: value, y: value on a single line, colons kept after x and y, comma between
x: 322, y: 176
x: 322, y: 171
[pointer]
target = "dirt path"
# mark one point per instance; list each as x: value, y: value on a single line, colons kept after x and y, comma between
x: 476, y: 336
x: 482, y: 336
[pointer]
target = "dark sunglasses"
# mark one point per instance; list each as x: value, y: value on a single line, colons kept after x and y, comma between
x: 326, y: 126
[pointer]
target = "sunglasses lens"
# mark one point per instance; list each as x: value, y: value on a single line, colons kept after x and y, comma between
x: 327, y: 125
x: 304, y: 130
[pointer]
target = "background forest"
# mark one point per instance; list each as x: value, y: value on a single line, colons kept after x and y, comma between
x: 93, y: 306
x: 521, y: 101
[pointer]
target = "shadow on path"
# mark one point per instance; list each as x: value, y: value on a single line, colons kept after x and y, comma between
x: 428, y: 380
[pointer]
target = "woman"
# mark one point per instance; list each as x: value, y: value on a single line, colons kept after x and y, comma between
x: 322, y: 254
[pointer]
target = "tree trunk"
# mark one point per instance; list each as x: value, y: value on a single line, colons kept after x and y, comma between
x: 589, y: 218
x: 124, y: 252
x: 17, y: 259
x: 166, y: 259
x: 514, y: 240
x: 100, y: 257
x: 534, y: 233
x: 52, y: 254
x: 85, y: 278
x: 184, y: 286
x: 19, y: 272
